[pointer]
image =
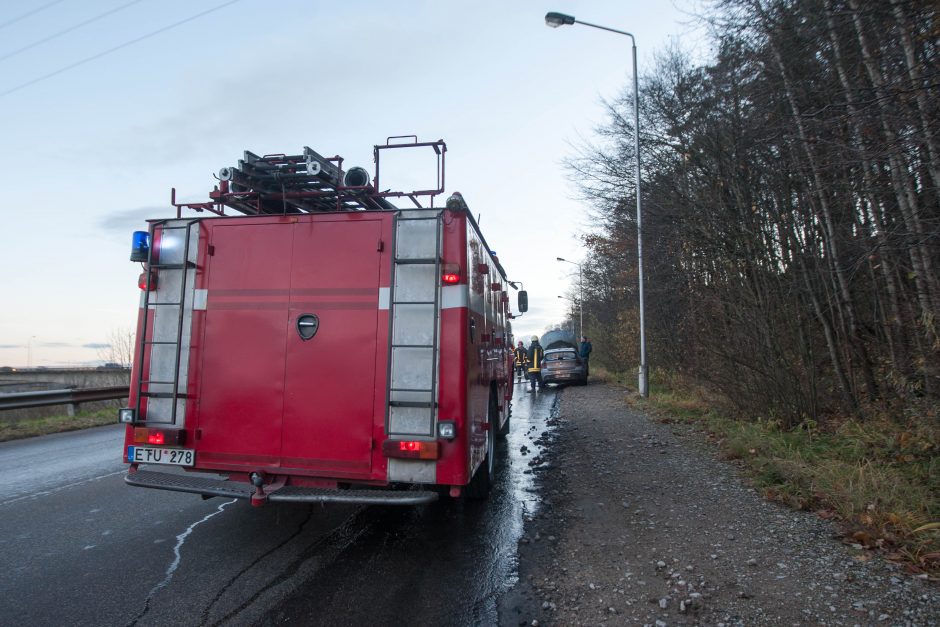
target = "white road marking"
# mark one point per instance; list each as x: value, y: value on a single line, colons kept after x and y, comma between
x: 60, y: 488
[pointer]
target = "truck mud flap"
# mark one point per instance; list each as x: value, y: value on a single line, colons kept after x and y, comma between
x: 288, y: 494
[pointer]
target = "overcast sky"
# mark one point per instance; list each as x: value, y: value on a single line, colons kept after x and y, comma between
x: 107, y: 104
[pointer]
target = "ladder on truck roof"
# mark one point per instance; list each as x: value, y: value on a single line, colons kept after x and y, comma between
x: 304, y: 183
x: 414, y: 320
x: 311, y: 183
x: 164, y: 332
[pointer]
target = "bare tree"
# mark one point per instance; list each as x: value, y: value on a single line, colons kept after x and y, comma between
x: 120, y: 349
x: 792, y: 215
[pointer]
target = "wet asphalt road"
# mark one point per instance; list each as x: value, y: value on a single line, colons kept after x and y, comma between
x: 78, y: 547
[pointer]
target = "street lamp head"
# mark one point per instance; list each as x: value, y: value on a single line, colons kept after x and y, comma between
x: 560, y: 259
x: 558, y: 19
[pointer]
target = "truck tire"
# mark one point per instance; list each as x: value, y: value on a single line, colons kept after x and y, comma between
x: 479, y: 486
x: 504, y: 430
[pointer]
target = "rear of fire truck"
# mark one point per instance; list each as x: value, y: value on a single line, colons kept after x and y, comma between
x: 289, y: 342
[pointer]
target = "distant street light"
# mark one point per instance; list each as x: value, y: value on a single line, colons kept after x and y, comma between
x: 560, y: 19
x: 580, y: 296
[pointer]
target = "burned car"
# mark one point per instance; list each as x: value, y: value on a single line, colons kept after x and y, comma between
x: 563, y: 365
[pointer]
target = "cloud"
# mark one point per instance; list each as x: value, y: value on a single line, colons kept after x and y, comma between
x: 12, y: 346
x: 96, y: 346
x: 285, y: 101
x: 54, y: 344
x: 127, y: 220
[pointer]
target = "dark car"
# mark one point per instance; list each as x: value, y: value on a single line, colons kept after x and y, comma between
x: 563, y: 365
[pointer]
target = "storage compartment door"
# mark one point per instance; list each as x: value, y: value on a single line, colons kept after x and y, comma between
x: 330, y: 385
x: 242, y: 373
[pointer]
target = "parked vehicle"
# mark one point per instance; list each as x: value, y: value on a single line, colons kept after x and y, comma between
x: 563, y: 365
x: 326, y: 346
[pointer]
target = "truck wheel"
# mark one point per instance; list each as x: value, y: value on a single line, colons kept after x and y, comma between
x: 479, y: 486
x: 504, y: 430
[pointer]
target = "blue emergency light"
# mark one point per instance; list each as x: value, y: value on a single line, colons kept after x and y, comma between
x: 140, y: 246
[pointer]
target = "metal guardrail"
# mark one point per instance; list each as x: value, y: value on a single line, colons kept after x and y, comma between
x: 23, y: 400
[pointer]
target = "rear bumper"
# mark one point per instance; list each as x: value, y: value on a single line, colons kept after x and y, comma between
x: 288, y: 494
x: 570, y: 377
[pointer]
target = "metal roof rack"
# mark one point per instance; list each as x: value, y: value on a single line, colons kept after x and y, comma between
x: 309, y: 183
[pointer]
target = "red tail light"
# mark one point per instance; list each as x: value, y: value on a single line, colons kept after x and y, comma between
x: 417, y: 449
x: 159, y: 437
x: 450, y: 273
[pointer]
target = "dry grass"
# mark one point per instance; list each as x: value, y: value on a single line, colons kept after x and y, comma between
x: 879, y: 480
x: 599, y: 374
x: 31, y: 427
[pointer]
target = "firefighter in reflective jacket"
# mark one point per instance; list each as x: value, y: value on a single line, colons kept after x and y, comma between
x: 535, y: 355
x: 520, y: 358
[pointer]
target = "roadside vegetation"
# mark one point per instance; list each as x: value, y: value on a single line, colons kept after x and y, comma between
x: 791, y: 203
x: 877, y: 479
x: 31, y: 427
x: 791, y: 240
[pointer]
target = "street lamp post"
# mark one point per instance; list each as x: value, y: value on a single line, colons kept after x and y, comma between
x: 580, y: 297
x: 560, y: 19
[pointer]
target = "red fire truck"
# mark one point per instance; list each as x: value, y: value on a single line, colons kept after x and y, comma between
x: 308, y: 340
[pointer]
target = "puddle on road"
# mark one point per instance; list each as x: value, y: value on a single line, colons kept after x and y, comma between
x: 531, y: 415
x: 443, y: 563
x: 516, y: 497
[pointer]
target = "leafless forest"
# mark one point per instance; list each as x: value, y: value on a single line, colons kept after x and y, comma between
x: 791, y: 211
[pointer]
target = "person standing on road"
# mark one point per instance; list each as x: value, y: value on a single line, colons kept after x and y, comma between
x: 521, y: 358
x: 535, y: 355
x: 585, y: 351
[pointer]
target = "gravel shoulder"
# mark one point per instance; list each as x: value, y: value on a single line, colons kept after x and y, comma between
x: 642, y: 524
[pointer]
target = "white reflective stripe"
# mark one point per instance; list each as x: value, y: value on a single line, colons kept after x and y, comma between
x: 453, y: 296
x: 200, y: 299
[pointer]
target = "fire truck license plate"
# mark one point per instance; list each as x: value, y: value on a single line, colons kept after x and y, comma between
x: 171, y: 456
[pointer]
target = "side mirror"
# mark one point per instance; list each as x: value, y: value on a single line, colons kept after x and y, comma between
x: 523, y: 301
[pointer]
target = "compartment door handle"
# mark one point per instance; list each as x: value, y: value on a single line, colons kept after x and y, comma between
x: 307, y: 326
